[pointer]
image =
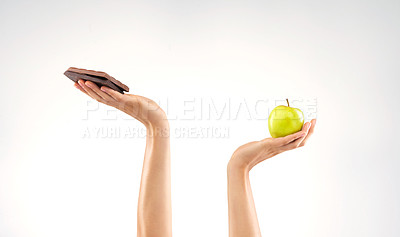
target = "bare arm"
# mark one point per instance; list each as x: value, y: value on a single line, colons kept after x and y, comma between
x: 243, y: 220
x: 242, y: 212
x: 154, y: 205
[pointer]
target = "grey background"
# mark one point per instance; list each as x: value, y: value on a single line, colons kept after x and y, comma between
x: 345, y: 182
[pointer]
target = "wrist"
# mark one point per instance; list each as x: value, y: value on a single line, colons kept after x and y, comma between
x: 237, y: 175
x: 158, y: 119
x: 159, y: 129
x: 235, y: 167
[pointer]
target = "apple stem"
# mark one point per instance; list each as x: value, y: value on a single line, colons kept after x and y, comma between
x: 287, y: 102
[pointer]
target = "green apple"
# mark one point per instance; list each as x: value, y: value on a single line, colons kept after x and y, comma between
x: 285, y: 120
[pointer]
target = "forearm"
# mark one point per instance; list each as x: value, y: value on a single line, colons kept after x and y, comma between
x: 154, y: 206
x: 242, y: 212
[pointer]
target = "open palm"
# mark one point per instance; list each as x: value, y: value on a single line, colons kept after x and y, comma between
x: 143, y: 109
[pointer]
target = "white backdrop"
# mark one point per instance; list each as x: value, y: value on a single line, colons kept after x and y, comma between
x: 340, y: 56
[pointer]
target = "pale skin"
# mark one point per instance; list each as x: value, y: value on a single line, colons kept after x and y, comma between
x: 243, y: 220
x: 154, y: 205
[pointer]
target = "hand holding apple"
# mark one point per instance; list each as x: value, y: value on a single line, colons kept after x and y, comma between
x: 250, y: 154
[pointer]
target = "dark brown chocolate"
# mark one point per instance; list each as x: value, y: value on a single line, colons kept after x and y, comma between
x: 100, y: 78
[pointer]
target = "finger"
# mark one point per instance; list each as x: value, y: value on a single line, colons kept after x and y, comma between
x: 77, y: 86
x: 89, y: 91
x: 297, y: 143
x: 114, y: 94
x: 310, y: 132
x: 306, y: 128
x: 281, y: 141
x: 294, y: 144
x: 97, y: 90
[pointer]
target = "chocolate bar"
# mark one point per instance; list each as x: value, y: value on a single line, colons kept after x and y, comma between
x: 100, y: 78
